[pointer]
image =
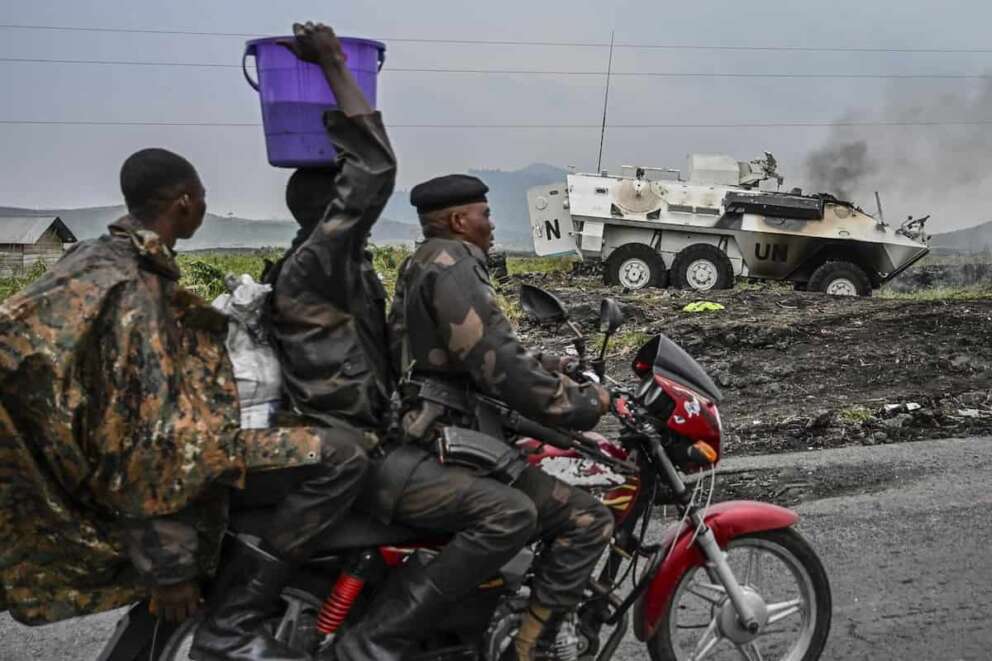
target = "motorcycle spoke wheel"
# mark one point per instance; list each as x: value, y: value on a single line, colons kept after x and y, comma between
x: 781, y: 569
x: 707, y: 642
x: 751, y: 652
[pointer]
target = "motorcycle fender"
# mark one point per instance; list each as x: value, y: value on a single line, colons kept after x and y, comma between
x: 727, y: 520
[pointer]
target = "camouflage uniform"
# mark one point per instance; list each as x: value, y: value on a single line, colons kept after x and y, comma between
x: 446, y: 325
x: 328, y: 314
x: 118, y: 431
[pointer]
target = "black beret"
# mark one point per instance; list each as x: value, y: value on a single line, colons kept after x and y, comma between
x: 450, y: 190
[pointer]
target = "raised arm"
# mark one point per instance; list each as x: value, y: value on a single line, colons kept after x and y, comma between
x: 366, y: 164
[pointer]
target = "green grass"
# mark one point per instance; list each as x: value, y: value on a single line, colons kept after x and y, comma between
x: 854, y: 415
x: 387, y: 261
x: 977, y: 292
x: 943, y: 260
x: 622, y: 342
x: 204, y: 272
x: 517, y: 265
x: 11, y: 284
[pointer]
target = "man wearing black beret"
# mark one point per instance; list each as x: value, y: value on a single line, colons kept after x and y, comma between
x: 448, y: 331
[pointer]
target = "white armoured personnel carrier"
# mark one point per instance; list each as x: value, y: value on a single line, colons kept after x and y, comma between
x: 651, y: 227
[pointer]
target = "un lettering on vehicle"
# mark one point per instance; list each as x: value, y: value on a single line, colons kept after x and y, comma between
x: 776, y: 252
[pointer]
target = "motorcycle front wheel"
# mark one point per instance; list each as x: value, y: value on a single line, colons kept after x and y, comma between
x: 785, y: 583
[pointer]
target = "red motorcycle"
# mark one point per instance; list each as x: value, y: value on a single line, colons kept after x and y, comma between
x: 727, y: 580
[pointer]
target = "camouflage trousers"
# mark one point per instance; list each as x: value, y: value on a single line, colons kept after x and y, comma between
x: 491, y: 522
x: 307, y: 499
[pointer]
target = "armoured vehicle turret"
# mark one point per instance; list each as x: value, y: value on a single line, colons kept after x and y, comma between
x: 652, y: 227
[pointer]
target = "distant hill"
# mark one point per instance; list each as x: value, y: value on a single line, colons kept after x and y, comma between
x: 399, y: 224
x: 216, y: 232
x: 969, y: 240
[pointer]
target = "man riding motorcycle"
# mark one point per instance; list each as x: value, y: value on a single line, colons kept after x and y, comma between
x: 326, y: 329
x: 449, y: 332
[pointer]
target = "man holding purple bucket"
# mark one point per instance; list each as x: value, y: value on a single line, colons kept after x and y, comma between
x: 328, y: 325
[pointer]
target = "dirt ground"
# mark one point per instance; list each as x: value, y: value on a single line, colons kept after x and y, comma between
x: 804, y: 370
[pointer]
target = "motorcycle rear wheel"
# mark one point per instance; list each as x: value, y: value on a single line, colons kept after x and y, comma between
x: 296, y: 627
x: 691, y: 628
x: 177, y: 648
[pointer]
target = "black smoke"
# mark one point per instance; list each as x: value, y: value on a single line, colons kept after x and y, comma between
x: 927, y: 149
x: 839, y: 168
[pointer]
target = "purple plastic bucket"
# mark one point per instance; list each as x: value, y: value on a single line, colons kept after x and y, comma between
x: 294, y: 95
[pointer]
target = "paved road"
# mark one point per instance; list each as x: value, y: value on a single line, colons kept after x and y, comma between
x: 910, y: 563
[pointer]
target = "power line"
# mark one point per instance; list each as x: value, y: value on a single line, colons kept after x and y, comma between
x: 734, y: 125
x: 687, y: 74
x: 534, y: 72
x: 492, y: 42
x: 40, y: 60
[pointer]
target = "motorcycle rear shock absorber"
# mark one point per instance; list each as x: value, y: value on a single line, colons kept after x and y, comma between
x: 346, y: 590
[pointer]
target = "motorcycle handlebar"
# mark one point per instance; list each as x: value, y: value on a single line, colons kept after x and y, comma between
x: 564, y: 440
x: 528, y: 427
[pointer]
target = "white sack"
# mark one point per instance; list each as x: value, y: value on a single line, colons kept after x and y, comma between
x: 256, y: 367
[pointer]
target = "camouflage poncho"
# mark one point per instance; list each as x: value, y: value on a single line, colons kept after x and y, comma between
x: 117, y: 403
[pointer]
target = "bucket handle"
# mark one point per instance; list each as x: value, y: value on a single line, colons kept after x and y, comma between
x: 244, y: 66
x: 382, y: 58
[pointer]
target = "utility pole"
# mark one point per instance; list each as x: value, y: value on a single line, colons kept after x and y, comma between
x: 606, y: 101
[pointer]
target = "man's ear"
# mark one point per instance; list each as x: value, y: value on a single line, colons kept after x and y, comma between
x: 456, y: 221
x: 181, y: 206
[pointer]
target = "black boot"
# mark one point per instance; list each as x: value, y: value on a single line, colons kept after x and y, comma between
x: 398, y: 618
x: 246, y: 594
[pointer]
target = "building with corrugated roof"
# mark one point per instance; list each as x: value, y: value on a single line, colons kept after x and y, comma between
x: 26, y: 240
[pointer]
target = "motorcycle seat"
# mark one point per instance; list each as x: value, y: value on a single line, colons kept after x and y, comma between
x: 355, y: 531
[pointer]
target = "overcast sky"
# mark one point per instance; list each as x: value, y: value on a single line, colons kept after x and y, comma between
x: 916, y: 168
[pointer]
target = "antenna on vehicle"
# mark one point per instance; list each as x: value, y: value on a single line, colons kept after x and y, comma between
x: 606, y: 100
x: 881, y: 217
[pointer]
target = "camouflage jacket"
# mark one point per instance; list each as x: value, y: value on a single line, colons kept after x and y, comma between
x: 118, y: 431
x: 328, y: 308
x: 445, y: 322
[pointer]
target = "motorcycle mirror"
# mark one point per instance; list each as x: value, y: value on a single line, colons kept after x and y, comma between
x: 610, y: 316
x: 542, y: 306
x: 610, y: 319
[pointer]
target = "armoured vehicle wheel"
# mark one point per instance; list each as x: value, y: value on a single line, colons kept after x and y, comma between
x: 636, y: 266
x: 840, y: 279
x: 702, y: 267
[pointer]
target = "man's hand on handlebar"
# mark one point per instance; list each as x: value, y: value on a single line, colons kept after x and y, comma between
x: 569, y: 365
